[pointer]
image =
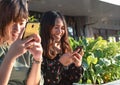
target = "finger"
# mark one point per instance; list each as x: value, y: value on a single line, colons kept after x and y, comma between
x: 81, y: 53
x: 21, y: 34
x: 36, y: 45
x: 74, y: 53
x: 33, y: 45
x: 28, y: 39
x: 77, y: 50
x: 37, y: 38
x: 75, y: 59
x: 29, y: 45
x: 77, y: 55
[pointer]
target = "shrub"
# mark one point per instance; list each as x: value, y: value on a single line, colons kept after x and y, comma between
x: 100, y: 61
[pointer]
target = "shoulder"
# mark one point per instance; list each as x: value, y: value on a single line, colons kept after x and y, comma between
x: 3, y: 50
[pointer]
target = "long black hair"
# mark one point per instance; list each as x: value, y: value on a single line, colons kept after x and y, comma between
x: 47, y: 23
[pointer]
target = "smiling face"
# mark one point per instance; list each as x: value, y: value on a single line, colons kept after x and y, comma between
x: 58, y: 30
x: 16, y: 28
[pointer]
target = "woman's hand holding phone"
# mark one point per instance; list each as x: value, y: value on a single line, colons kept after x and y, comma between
x: 77, y: 56
x: 79, y: 49
x: 32, y: 30
x: 36, y: 50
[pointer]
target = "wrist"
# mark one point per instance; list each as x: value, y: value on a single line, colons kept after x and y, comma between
x: 37, y: 61
x: 77, y: 64
x: 10, y: 57
x: 64, y: 64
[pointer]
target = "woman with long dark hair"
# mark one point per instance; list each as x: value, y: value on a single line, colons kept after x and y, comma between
x: 61, y: 66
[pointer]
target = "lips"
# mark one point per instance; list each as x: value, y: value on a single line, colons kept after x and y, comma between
x: 57, y: 37
x: 15, y: 34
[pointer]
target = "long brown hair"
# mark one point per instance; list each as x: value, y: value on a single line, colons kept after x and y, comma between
x: 47, y: 23
x: 11, y: 11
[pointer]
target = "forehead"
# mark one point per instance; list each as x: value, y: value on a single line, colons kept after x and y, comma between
x: 58, y: 21
x: 21, y: 20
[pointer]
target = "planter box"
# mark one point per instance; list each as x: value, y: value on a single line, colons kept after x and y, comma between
x: 117, y: 82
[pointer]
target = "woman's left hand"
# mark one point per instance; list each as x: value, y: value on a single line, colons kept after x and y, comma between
x: 77, y: 59
x: 36, y: 49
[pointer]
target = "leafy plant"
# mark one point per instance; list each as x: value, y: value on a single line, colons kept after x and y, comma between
x: 100, y: 61
x: 32, y: 19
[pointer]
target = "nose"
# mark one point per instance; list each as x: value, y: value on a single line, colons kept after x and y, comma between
x: 59, y: 30
x: 16, y: 27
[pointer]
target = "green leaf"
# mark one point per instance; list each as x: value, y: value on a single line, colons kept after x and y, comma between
x: 89, y: 81
x: 91, y: 59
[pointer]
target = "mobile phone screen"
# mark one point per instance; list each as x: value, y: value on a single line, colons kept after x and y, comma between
x: 31, y: 28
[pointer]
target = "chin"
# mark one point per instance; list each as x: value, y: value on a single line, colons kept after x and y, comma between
x: 57, y: 40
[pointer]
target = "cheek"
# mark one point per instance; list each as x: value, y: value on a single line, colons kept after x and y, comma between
x: 10, y: 29
x: 7, y: 32
x: 53, y: 32
x: 63, y: 32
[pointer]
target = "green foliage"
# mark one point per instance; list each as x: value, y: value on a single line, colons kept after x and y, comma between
x: 32, y: 19
x: 100, y: 61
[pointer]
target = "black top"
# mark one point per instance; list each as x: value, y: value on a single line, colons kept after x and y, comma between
x: 56, y: 74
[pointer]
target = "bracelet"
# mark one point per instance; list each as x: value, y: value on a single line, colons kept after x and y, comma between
x: 35, y: 61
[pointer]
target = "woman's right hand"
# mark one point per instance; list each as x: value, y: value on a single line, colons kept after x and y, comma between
x: 20, y: 46
x: 66, y: 59
x: 36, y: 50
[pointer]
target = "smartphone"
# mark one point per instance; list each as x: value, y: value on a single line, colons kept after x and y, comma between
x: 81, y: 52
x: 31, y: 28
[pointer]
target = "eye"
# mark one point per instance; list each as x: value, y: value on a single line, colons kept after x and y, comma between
x: 21, y: 23
x: 56, y: 27
x: 63, y: 27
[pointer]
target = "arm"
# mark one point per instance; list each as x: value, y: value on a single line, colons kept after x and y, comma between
x: 53, y: 68
x: 75, y: 70
x: 16, y: 49
x: 5, y: 69
x: 35, y: 74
